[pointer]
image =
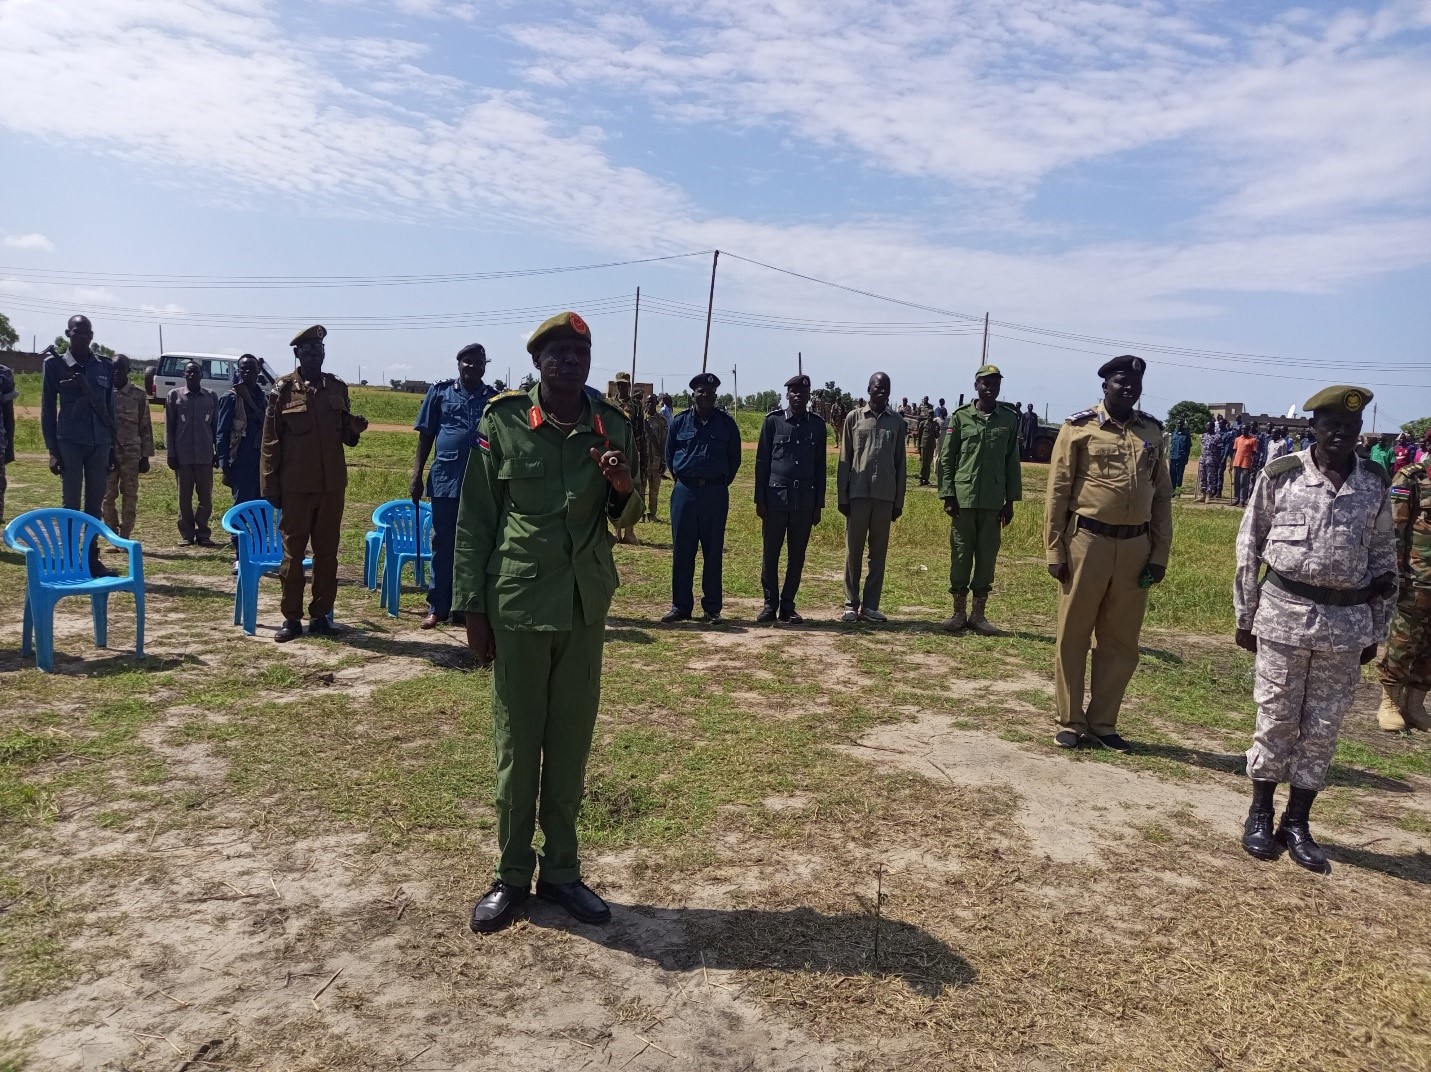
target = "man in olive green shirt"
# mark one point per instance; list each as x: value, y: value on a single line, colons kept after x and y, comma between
x: 979, y: 480
x: 870, y: 481
x: 534, y: 575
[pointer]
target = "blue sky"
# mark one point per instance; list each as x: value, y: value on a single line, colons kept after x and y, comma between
x: 1246, y: 178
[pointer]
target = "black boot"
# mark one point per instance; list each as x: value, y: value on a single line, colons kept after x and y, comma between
x: 1257, y: 838
x: 1296, y: 836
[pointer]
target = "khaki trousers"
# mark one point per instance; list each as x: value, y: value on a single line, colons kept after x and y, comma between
x: 1102, y: 603
x: 868, y: 521
x: 315, y: 519
x: 653, y: 493
x: 195, y: 481
x: 123, y: 484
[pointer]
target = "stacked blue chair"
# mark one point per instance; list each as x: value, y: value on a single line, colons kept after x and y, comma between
x: 56, y: 544
x: 260, y: 551
x: 407, y: 537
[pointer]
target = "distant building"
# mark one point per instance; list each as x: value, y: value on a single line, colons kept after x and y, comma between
x: 1233, y: 412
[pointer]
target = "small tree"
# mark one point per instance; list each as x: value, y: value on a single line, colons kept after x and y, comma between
x: 499, y: 385
x: 528, y: 382
x: 1417, y: 428
x: 1196, y: 414
x: 8, y: 335
x: 62, y: 344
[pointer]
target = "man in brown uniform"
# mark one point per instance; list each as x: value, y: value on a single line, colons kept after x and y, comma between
x: 653, y: 455
x: 304, y: 472
x: 631, y: 406
x: 1109, y: 529
x: 133, y: 447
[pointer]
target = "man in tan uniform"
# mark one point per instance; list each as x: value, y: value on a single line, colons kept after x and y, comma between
x: 653, y: 455
x: 303, y: 471
x: 134, y: 446
x: 1109, y: 529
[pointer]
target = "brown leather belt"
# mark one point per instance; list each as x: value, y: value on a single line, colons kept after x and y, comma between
x: 1118, y: 532
x: 1328, y: 597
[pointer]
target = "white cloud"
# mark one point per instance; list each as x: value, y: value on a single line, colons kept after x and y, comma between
x: 93, y: 296
x: 170, y: 307
x: 29, y: 241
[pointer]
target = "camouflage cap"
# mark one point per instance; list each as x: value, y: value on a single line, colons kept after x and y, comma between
x: 562, y: 324
x: 317, y: 333
x: 623, y: 376
x: 986, y: 370
x: 1342, y: 397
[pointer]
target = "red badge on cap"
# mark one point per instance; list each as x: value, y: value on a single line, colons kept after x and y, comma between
x: 579, y: 325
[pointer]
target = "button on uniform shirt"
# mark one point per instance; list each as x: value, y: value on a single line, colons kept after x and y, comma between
x: 132, y: 421
x: 981, y: 459
x: 1306, y: 529
x: 531, y: 525
x: 66, y: 412
x: 790, y: 465
x: 189, y: 423
x: 1109, y: 472
x: 872, y: 461
x: 703, y: 450
x: 304, y: 433
x: 450, y: 414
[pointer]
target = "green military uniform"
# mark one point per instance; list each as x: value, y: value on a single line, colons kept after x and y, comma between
x: 979, y: 470
x: 653, y: 460
x: 303, y: 471
x: 534, y: 555
x: 928, y: 432
x: 134, y: 441
x: 1108, y: 516
x: 631, y: 409
x: 1405, y: 669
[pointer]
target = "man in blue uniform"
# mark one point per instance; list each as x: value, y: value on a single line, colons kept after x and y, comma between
x: 448, y: 419
x: 78, y: 422
x: 703, y: 455
x: 789, y: 494
x: 239, y: 432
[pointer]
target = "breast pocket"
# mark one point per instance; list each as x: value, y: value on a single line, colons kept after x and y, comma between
x: 299, y: 422
x: 1105, y: 461
x: 784, y: 446
x: 1287, y: 531
x: 528, y: 486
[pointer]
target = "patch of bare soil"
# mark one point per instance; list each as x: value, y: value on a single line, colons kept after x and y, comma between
x: 821, y: 654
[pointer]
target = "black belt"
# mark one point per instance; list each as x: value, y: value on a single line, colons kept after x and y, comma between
x: 1328, y: 597
x: 701, y: 481
x: 1118, y: 532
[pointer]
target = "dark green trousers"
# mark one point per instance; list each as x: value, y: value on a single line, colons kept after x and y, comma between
x: 973, y: 548
x: 546, y: 687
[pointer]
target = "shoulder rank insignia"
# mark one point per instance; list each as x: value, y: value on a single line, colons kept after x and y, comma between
x: 1288, y: 463
x: 507, y: 394
x: 1081, y: 415
x: 1148, y: 417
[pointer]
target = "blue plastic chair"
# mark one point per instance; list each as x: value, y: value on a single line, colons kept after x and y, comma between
x: 399, y: 526
x: 260, y: 551
x: 56, y: 544
x: 372, y: 551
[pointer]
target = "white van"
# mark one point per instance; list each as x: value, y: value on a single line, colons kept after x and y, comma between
x: 218, y: 374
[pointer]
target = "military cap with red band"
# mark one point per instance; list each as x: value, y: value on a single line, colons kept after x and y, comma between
x: 563, y: 324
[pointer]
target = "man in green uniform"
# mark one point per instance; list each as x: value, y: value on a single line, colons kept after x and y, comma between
x: 653, y: 455
x: 1108, y: 531
x: 928, y: 440
x: 630, y: 406
x: 1405, y: 670
x: 979, y: 481
x: 535, y: 577
x: 134, y: 446
x: 303, y: 471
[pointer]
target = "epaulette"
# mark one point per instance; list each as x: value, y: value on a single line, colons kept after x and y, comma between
x: 1377, y: 470
x: 1080, y: 416
x: 1288, y: 463
x: 445, y: 383
x: 502, y: 395
x: 781, y: 409
x: 1149, y: 417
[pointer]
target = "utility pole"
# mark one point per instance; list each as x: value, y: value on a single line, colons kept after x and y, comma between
x: 635, y: 330
x: 735, y: 386
x: 710, y: 308
x: 1373, y: 418
x: 161, y: 340
x: 984, y: 357
x: 799, y: 363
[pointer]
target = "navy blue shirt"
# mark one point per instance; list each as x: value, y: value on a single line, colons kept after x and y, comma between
x: 703, y: 451
x: 1182, y: 445
x: 450, y: 414
x: 67, y: 412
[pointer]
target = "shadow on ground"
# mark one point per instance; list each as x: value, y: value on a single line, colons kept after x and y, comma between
x: 1236, y: 763
x: 793, y: 940
x: 1412, y: 866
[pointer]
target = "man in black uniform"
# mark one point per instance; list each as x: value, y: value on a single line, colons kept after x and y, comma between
x: 789, y: 493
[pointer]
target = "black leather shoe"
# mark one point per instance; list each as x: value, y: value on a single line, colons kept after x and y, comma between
x: 579, y: 899
x: 204, y: 541
x: 497, y: 907
x: 791, y: 616
x: 671, y: 617
x: 1297, y: 839
x: 1257, y: 837
x: 288, y: 631
x: 713, y: 618
x: 321, y: 627
x: 1066, y: 739
x: 766, y: 615
x: 1113, y: 741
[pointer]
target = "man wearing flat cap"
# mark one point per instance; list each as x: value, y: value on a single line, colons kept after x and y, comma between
x: 703, y: 455
x: 448, y: 422
x: 790, y: 472
x: 630, y: 405
x: 534, y: 577
x: 1320, y: 522
x: 303, y: 471
x: 980, y: 479
x: 1108, y: 533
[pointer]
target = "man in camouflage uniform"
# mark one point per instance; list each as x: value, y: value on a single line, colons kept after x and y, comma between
x: 8, y: 394
x: 1406, y: 668
x: 631, y: 406
x: 928, y: 440
x: 1320, y: 521
x: 134, y: 446
x: 653, y: 454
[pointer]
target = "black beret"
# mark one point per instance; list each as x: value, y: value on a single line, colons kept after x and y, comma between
x: 1123, y: 363
x: 798, y: 381
x: 705, y: 379
x: 473, y: 348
